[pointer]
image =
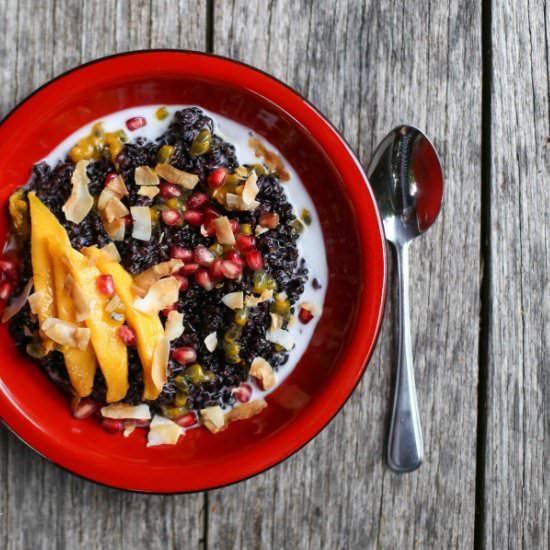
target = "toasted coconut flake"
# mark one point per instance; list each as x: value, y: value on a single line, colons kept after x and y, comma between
x: 129, y: 430
x: 179, y: 177
x: 233, y: 202
x: 253, y: 301
x: 174, y: 325
x: 116, y: 229
x: 105, y: 196
x: 163, y: 431
x: 145, y: 279
x: 114, y: 210
x: 142, y: 223
x: 314, y: 309
x: 144, y: 175
x: 260, y: 230
x: 281, y: 337
x: 276, y: 321
x: 161, y: 294
x: 66, y: 334
x: 234, y: 300
x: 113, y: 304
x: 82, y: 304
x: 151, y: 192
x: 17, y: 303
x: 224, y: 233
x: 213, y: 419
x: 80, y: 202
x: 250, y: 190
x: 123, y: 411
x: 36, y: 300
x: 110, y: 252
x: 161, y: 356
x: 245, y: 410
x: 263, y: 373
x: 211, y: 341
x: 118, y: 187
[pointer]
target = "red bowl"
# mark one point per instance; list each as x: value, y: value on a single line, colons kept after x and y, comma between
x: 34, y: 409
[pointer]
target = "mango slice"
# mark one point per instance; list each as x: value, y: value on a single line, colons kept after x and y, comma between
x: 147, y: 328
x: 81, y: 364
x: 110, y: 351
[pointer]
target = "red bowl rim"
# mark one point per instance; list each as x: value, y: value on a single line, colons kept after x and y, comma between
x: 324, y: 417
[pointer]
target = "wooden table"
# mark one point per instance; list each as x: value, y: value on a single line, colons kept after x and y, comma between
x: 476, y: 78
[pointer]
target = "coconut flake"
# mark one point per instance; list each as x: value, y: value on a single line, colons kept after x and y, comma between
x: 253, y: 301
x: 224, y: 233
x: 145, y: 279
x: 213, y: 419
x: 260, y: 230
x: 142, y: 223
x: 36, y: 301
x: 179, y: 177
x: 144, y: 175
x: 123, y: 411
x: 117, y: 186
x: 150, y: 192
x: 246, y: 410
x: 129, y: 430
x: 263, y: 373
x: 250, y: 190
x: 105, y: 196
x: 161, y: 294
x: 113, y: 304
x: 17, y: 303
x: 281, y: 337
x: 114, y: 210
x: 276, y: 321
x: 174, y: 325
x: 159, y: 367
x: 163, y: 431
x: 82, y: 304
x: 233, y: 201
x: 116, y: 229
x: 110, y: 252
x: 314, y: 309
x: 65, y: 333
x: 211, y: 341
x: 234, y: 300
x: 80, y: 202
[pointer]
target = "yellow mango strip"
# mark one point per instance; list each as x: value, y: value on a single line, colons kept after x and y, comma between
x: 109, y: 349
x: 147, y: 328
x: 41, y: 231
x: 81, y: 364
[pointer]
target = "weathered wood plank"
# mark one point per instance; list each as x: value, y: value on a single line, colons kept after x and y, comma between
x: 370, y: 65
x: 40, y: 505
x: 517, y: 486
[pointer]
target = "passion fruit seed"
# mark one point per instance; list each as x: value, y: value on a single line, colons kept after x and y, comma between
x: 201, y: 144
x: 195, y: 374
x: 241, y: 316
x: 174, y: 412
x: 161, y: 113
x: 35, y: 349
x: 262, y: 281
x: 216, y: 249
x: 181, y: 383
x: 297, y: 226
x: 281, y: 306
x: 259, y: 169
x: 181, y: 399
x: 306, y: 216
x: 165, y: 153
x: 19, y: 212
x: 232, y: 352
x: 246, y: 229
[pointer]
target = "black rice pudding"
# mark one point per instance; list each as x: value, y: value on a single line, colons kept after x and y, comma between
x: 155, y: 279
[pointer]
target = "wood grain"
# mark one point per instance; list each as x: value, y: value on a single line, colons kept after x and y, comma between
x: 517, y: 453
x: 40, y: 505
x: 369, y: 66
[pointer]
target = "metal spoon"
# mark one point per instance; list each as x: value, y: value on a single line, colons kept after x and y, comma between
x: 405, y: 174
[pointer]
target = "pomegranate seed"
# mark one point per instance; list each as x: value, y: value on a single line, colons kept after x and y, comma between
x: 109, y: 177
x: 112, y: 425
x: 305, y: 315
x: 180, y: 253
x: 269, y: 220
x: 231, y: 270
x: 245, y: 242
x: 83, y: 408
x: 203, y: 256
x: 168, y: 309
x: 135, y: 122
x: 203, y: 278
x: 184, y: 355
x: 254, y: 260
x: 183, y: 281
x: 128, y: 220
x: 215, y: 179
x: 188, y: 269
x: 169, y: 190
x: 187, y: 420
x: 193, y: 217
x: 234, y: 225
x: 171, y: 217
x: 216, y: 271
x: 211, y: 213
x: 126, y: 334
x: 242, y: 393
x: 235, y: 257
x: 6, y: 288
x: 9, y: 269
x: 105, y: 285
x: 137, y: 422
x: 197, y: 200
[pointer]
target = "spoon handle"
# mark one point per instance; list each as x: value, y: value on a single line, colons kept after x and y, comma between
x: 405, y: 447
